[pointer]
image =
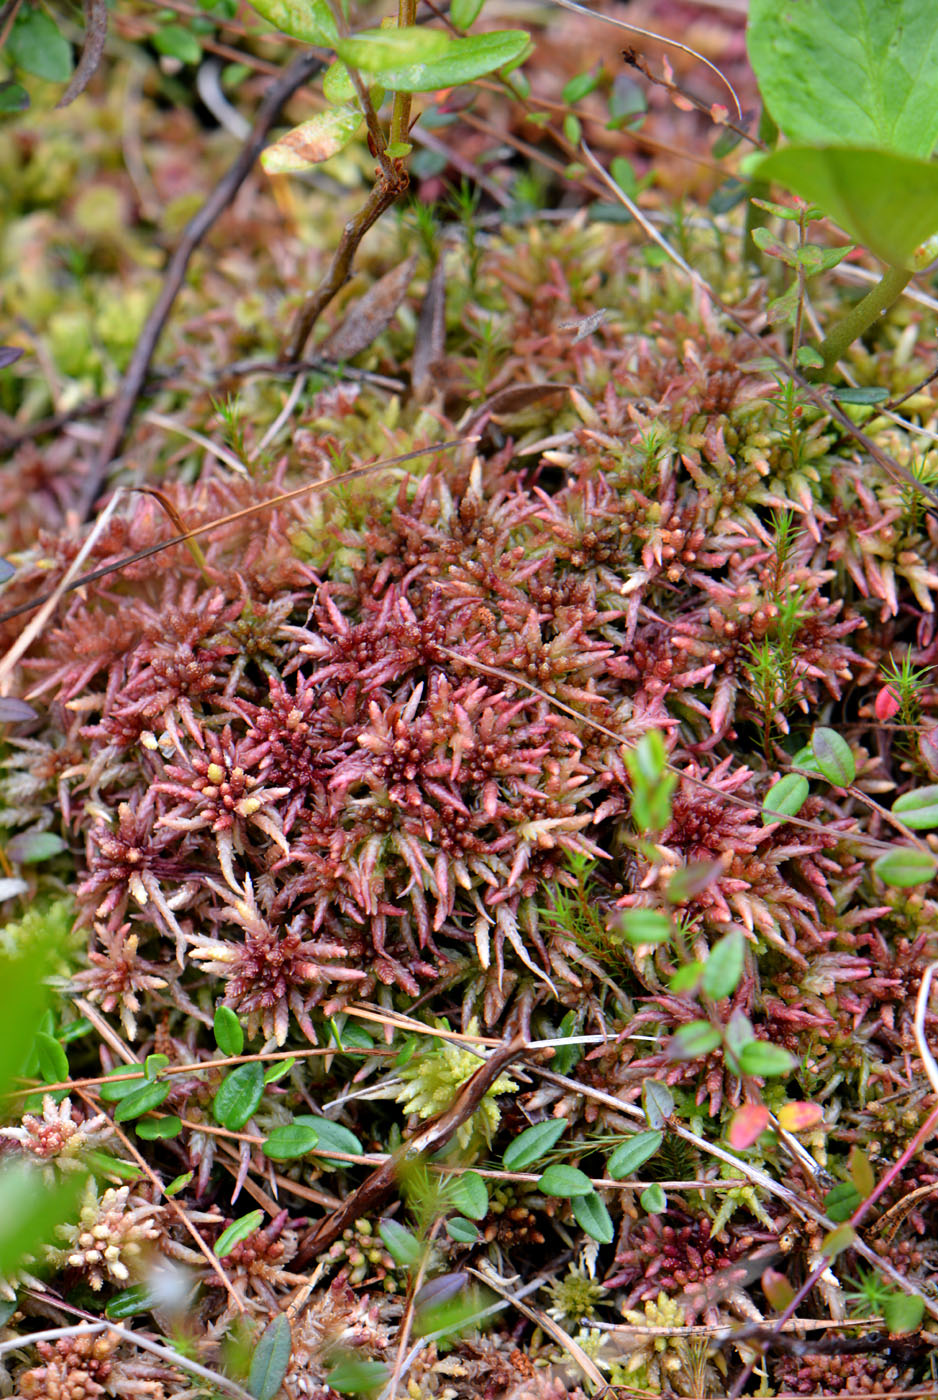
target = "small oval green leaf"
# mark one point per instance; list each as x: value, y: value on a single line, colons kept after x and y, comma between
x: 53, y: 1061
x: 903, y: 1312
x: 290, y: 1140
x: 919, y: 808
x: 313, y: 141
x: 591, y: 1215
x: 271, y: 1359
x: 154, y: 1129
x: 758, y: 1057
x: 530, y: 1145
x: 561, y: 1180
x: 464, y: 13
x: 238, y: 1096
x: 785, y: 798
x: 833, y: 756
x: 36, y: 45
x: 150, y: 1096
x: 654, y: 1199
x: 277, y: 1070
x: 724, y: 966
x: 238, y: 1231
x: 350, y: 1376
x: 905, y: 866
x: 229, y: 1033
x: 657, y: 1102
x: 462, y: 1231
x: 646, y: 926
x: 153, y: 1065
x: 693, y: 1041
x: 177, y: 42
x: 633, y: 1154
x: 403, y: 1247
x: 470, y: 1194
x: 842, y: 1200
x: 333, y: 1136
x: 131, y: 1302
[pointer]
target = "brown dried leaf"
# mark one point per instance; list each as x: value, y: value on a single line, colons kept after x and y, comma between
x: 371, y: 314
x: 92, y: 49
x: 514, y: 399
x: 431, y: 336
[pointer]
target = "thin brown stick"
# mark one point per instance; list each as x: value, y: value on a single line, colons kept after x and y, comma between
x: 385, y: 192
x: 299, y: 72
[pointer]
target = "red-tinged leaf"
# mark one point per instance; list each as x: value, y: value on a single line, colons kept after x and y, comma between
x: 313, y: 141
x: 777, y: 1289
x: 928, y: 749
x: 887, y: 703
x: 747, y: 1125
x: 371, y: 314
x: 797, y: 1117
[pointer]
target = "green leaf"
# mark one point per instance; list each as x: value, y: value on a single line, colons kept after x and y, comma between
x: 464, y: 13
x: 154, y: 1129
x: 837, y: 1241
x: 693, y: 1041
x: 178, y: 1183
x: 653, y: 1199
x: 337, y: 87
x: 309, y: 20
x: 331, y: 1135
x: 692, y: 879
x: 531, y: 1144
x: 123, y: 1087
x: 141, y: 1101
x: 758, y: 1057
x: 103, y: 1164
x: 633, y: 1153
x: 354, y: 1377
x: 724, y: 966
x: 687, y: 978
x: 404, y: 1248
x: 842, y: 1200
x: 579, y: 87
x: 861, y: 1172
x: 833, y: 756
x: 238, y: 1095
x: 393, y: 56
x: 561, y: 1180
x: 470, y: 1194
x: 53, y: 1061
x: 785, y: 798
x: 657, y: 1103
x: 905, y: 866
x: 33, y: 846
x: 238, y: 1231
x: 888, y: 203
x: 271, y: 1359
x: 903, y: 1312
x: 646, y: 926
x: 919, y: 808
x: 176, y: 42
x: 313, y: 141
x: 140, y: 1298
x: 290, y: 1140
x: 838, y: 72
x: 860, y: 396
x: 30, y: 1209
x: 229, y: 1033
x: 36, y: 46
x: 462, y: 1231
x: 591, y: 1215
x: 153, y: 1065
x: 277, y: 1070
x: 13, y: 98
x: 567, y: 1056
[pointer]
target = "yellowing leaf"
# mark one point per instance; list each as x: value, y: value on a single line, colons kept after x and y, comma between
x: 312, y: 142
x: 798, y: 1116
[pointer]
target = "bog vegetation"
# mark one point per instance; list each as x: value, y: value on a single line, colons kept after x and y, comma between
x: 469, y: 731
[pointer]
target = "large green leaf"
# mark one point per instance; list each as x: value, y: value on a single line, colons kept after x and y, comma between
x: 858, y: 72
x: 37, y: 46
x: 395, y: 57
x: 887, y: 202
x: 309, y: 20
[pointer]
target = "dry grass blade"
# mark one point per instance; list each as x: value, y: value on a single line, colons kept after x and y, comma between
x: 431, y: 335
